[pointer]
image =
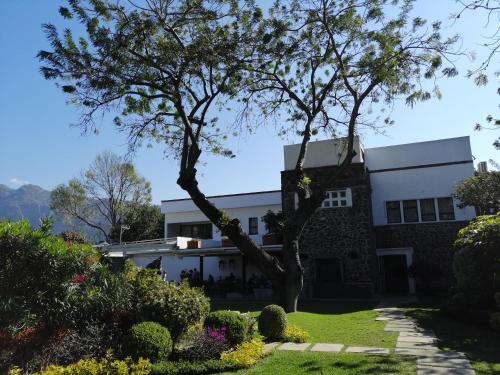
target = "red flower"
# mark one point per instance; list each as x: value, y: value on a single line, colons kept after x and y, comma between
x: 80, y: 278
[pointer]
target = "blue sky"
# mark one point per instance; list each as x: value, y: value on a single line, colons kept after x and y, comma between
x: 38, y: 146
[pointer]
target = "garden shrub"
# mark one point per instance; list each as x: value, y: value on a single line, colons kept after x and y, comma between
x: 272, y: 322
x: 246, y: 354
x: 148, y: 340
x: 234, y: 325
x: 427, y: 275
x: 205, y: 344
x: 495, y: 321
x: 177, y: 307
x: 182, y: 367
x: 497, y: 299
x: 295, y: 334
x: 104, y: 366
x: 38, y: 269
x: 476, y: 262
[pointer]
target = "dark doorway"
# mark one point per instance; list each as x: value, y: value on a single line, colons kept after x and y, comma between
x: 395, y: 273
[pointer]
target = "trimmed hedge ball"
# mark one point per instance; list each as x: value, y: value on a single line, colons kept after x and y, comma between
x: 273, y: 322
x: 236, y: 327
x: 148, y: 340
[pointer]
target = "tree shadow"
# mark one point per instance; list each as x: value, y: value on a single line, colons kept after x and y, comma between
x: 479, y: 343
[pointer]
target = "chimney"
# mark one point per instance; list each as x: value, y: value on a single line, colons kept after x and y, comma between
x: 482, y: 167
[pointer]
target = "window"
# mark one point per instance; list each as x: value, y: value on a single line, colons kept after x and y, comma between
x: 337, y: 198
x: 328, y: 270
x: 393, y: 212
x: 410, y: 211
x: 253, y: 225
x: 203, y: 231
x: 427, y: 210
x: 446, y: 209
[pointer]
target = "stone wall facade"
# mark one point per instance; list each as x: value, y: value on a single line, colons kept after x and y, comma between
x: 345, y: 233
x: 431, y: 242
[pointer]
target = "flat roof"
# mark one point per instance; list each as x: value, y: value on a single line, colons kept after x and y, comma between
x: 224, y: 195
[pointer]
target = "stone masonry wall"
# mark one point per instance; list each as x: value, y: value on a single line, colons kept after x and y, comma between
x: 342, y: 232
x: 432, y: 242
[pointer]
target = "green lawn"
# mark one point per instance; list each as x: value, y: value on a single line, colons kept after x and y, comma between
x: 481, y: 345
x: 350, y: 323
x: 328, y: 363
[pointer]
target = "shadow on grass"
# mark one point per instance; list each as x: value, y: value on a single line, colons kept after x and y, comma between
x: 479, y: 343
x: 329, y: 307
x: 373, y: 365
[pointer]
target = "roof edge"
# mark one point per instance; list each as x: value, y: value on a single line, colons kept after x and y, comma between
x: 222, y: 196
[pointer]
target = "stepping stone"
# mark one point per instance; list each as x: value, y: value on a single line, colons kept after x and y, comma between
x: 366, y: 350
x: 444, y: 362
x: 327, y: 348
x: 382, y: 319
x: 429, y: 335
x: 415, y: 345
x: 270, y: 346
x: 402, y: 329
x: 428, y: 370
x: 429, y: 353
x: 294, y: 347
x: 426, y: 340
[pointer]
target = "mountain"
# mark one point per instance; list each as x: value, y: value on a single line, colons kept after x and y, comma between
x: 27, y: 202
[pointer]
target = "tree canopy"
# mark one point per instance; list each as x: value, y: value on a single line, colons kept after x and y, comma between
x: 481, y: 191
x: 103, y: 195
x: 171, y: 67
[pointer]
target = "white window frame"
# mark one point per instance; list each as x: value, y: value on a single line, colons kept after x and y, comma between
x: 334, y: 199
x: 420, y: 221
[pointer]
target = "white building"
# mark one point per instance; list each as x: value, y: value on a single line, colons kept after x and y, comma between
x: 392, y: 206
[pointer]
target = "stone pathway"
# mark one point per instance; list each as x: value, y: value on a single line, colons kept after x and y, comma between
x: 415, y: 341
x: 412, y: 341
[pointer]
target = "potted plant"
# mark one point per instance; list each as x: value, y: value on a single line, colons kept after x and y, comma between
x: 274, y: 226
x: 193, y: 244
x: 226, y: 242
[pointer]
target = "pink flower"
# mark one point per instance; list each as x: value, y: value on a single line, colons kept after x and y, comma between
x: 79, y: 278
x: 218, y: 334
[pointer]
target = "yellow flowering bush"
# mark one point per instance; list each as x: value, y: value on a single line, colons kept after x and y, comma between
x: 246, y: 354
x: 91, y: 366
x: 296, y: 334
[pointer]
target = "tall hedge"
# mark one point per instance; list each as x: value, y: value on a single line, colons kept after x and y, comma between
x: 476, y: 264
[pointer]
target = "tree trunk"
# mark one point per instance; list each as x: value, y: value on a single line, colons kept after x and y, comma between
x: 293, y: 277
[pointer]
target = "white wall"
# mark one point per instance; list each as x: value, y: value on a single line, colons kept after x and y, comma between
x: 420, y: 183
x: 420, y: 153
x: 225, y: 201
x: 321, y: 153
x: 243, y: 214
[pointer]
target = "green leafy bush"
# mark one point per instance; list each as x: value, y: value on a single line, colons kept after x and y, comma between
x: 273, y: 322
x: 475, y: 264
x: 497, y: 299
x: 148, y: 340
x: 234, y: 324
x: 38, y: 271
x: 495, y: 321
x: 177, y: 307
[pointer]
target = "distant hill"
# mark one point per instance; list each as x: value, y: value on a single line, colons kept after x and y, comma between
x: 29, y: 202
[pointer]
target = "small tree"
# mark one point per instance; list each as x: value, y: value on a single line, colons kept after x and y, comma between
x: 166, y: 65
x: 144, y: 222
x: 481, y: 191
x: 107, y: 191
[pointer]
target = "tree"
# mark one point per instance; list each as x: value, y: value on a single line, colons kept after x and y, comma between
x: 481, y: 191
x: 169, y: 66
x: 492, y: 10
x: 109, y: 190
x: 145, y: 222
